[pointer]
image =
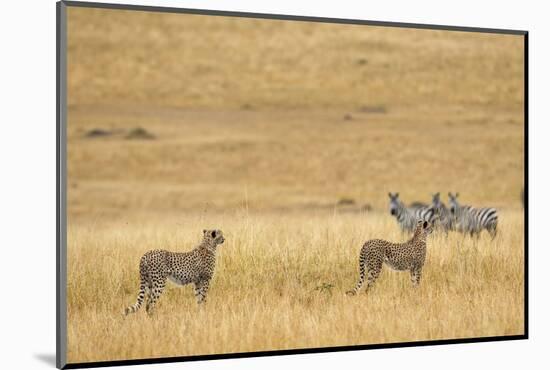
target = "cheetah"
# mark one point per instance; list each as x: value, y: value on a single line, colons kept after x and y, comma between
x: 399, y: 256
x: 196, y: 266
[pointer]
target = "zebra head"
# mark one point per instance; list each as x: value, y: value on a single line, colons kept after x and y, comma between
x: 395, y: 204
x: 436, y: 201
x: 454, y: 204
x: 437, y: 205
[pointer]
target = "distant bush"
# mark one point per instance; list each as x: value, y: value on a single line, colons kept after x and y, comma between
x: 373, y: 109
x: 140, y: 133
x: 346, y: 202
x: 97, y: 132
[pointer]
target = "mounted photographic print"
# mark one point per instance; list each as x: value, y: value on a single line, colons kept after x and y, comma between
x: 236, y: 184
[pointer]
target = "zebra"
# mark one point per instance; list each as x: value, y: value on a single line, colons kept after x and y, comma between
x: 408, y: 217
x: 473, y: 220
x: 445, y: 219
x: 418, y: 205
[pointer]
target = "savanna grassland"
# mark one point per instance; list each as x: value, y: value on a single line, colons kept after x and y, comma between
x: 288, y: 137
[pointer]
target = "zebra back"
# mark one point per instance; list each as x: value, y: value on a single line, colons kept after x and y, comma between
x: 443, y: 217
x: 407, y: 217
x: 474, y: 220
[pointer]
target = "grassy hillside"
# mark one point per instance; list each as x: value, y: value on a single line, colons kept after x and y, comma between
x: 192, y: 61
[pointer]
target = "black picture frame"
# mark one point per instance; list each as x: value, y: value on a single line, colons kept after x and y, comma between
x: 61, y: 185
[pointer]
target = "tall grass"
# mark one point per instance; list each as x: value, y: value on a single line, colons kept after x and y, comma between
x: 280, y: 283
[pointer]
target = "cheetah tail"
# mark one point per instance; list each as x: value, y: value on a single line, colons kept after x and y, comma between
x: 135, y: 307
x: 361, y: 277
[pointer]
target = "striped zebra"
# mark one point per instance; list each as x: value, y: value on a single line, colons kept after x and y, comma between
x: 444, y: 217
x: 418, y: 205
x: 473, y: 220
x: 408, y: 217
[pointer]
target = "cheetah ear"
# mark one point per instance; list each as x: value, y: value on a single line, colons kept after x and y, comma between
x: 204, y: 231
x: 389, y: 195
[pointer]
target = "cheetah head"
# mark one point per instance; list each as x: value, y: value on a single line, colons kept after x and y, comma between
x: 214, y: 237
x: 424, y: 226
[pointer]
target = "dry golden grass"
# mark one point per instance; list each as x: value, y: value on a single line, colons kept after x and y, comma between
x: 121, y: 57
x: 273, y: 159
x: 260, y: 128
x: 268, y: 292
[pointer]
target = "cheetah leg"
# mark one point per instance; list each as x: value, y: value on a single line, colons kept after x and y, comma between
x: 149, y: 292
x: 416, y: 275
x: 135, y: 307
x: 158, y: 287
x: 148, y: 295
x: 361, y: 276
x: 201, y: 289
x: 374, y: 272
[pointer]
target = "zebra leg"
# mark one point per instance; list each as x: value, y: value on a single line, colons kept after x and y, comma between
x: 492, y: 231
x: 201, y: 289
x: 361, y: 275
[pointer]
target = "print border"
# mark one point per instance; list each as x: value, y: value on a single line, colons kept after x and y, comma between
x: 61, y: 186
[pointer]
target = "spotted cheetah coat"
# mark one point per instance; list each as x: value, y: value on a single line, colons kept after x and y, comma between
x: 410, y: 256
x: 196, y: 266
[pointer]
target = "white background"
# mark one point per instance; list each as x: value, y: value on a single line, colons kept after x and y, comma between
x: 27, y: 209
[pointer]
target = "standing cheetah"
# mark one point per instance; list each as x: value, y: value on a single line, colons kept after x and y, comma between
x: 196, y: 266
x: 399, y: 256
